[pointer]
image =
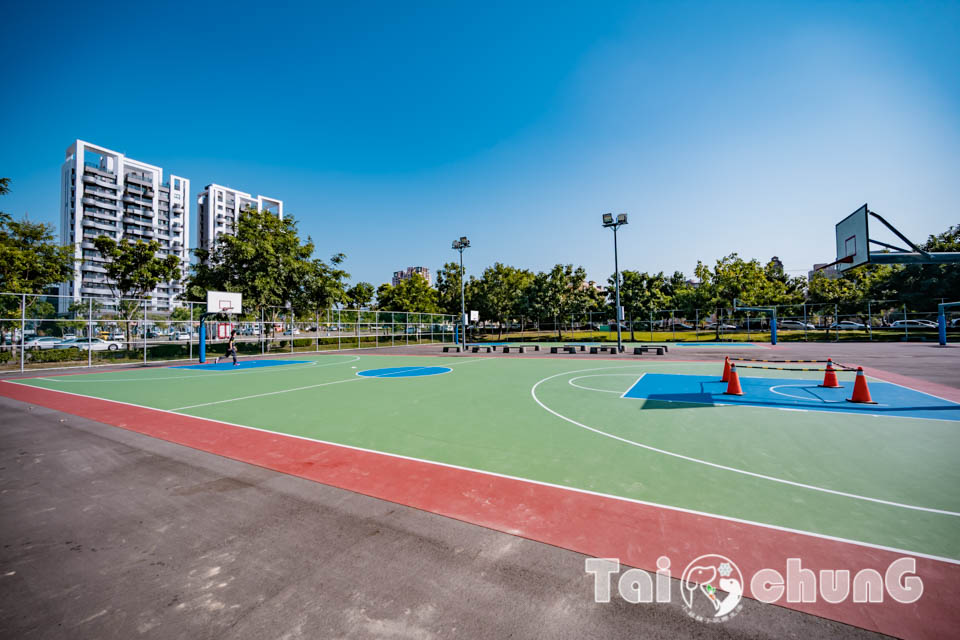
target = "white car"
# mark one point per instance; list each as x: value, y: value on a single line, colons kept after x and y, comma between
x: 916, y: 324
x: 94, y: 344
x: 848, y: 324
x: 180, y: 335
x: 795, y: 324
x: 723, y: 327
x: 44, y: 342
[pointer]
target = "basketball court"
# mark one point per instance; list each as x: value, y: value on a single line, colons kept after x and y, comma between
x: 764, y: 453
x: 610, y: 458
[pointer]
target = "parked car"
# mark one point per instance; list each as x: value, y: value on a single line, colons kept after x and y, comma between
x: 44, y: 342
x: 795, y: 324
x: 723, y: 327
x: 955, y: 322
x: 292, y: 332
x: 847, y: 324
x: 94, y: 344
x: 914, y: 324
x: 180, y: 334
x: 677, y: 325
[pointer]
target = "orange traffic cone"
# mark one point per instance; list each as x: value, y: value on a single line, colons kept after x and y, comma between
x: 861, y: 392
x: 726, y: 370
x: 733, y: 386
x: 830, y: 377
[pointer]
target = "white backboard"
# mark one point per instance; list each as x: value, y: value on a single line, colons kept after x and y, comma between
x: 224, y: 302
x: 852, y: 239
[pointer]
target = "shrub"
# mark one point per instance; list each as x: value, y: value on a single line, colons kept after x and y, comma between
x: 56, y: 355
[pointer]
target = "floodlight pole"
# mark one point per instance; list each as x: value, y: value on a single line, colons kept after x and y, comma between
x: 620, y: 220
x: 460, y: 245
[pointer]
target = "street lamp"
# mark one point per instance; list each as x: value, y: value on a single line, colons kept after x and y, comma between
x: 460, y: 245
x: 610, y: 223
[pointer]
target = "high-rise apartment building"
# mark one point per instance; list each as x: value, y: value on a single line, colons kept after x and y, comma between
x: 103, y: 192
x: 219, y: 207
x: 400, y: 276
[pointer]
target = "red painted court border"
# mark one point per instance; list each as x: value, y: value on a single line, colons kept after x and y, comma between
x: 595, y: 525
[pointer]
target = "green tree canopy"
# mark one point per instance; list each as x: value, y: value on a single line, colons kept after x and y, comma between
x: 413, y: 294
x: 640, y: 294
x: 133, y: 271
x: 500, y: 291
x: 30, y: 257
x: 359, y: 295
x: 266, y: 261
x: 448, y: 288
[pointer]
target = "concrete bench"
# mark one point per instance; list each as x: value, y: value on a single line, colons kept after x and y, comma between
x: 596, y: 350
x: 506, y: 349
x: 478, y: 348
x: 570, y: 350
x: 639, y: 351
x: 449, y: 348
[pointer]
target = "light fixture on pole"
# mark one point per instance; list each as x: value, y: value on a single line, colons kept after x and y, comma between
x: 460, y: 245
x: 609, y: 222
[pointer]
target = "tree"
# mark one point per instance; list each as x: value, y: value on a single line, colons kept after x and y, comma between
x: 322, y: 286
x: 640, y: 294
x: 413, y: 294
x: 559, y: 293
x: 30, y: 258
x: 265, y: 261
x: 359, y: 295
x: 732, y: 278
x: 921, y: 286
x: 448, y: 288
x: 133, y: 271
x: 500, y: 291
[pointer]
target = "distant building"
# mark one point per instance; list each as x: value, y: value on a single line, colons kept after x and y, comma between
x: 591, y: 284
x: 400, y: 276
x: 777, y: 262
x: 219, y: 207
x: 105, y: 193
x: 829, y: 272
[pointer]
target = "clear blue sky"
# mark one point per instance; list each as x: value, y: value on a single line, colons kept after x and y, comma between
x: 391, y: 128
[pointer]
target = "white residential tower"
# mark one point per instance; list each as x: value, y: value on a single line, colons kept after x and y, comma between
x: 219, y: 207
x: 103, y: 192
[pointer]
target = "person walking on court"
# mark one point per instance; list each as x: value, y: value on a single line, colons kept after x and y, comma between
x: 231, y: 349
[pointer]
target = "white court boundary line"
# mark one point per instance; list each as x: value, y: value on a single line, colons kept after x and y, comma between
x: 808, y: 399
x: 401, y: 372
x: 311, y: 386
x: 600, y: 375
x: 801, y: 485
x: 202, y: 375
x: 762, y: 525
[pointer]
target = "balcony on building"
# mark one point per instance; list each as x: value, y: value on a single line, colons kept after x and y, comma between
x: 96, y: 169
x: 137, y: 178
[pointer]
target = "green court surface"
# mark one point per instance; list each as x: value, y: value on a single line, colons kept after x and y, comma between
x: 890, y: 481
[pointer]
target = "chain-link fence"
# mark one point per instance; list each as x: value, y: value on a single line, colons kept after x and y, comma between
x: 40, y: 331
x: 874, y: 320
